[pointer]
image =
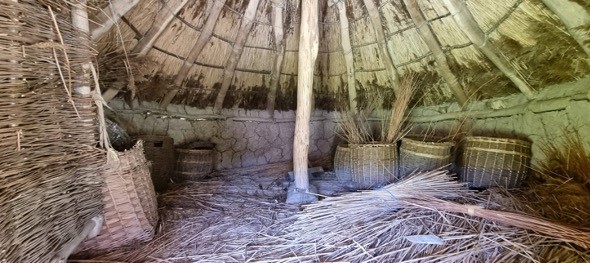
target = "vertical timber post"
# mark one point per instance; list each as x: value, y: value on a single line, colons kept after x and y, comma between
x: 82, y: 24
x: 308, y: 50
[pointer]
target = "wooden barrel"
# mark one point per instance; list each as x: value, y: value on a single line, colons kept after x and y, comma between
x: 342, y: 163
x: 488, y: 162
x: 159, y: 150
x: 420, y: 156
x: 373, y: 165
x: 193, y: 164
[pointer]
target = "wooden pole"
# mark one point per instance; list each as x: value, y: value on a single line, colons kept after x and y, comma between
x: 81, y: 23
x: 347, y: 51
x: 109, y: 16
x: 204, y: 37
x: 308, y: 50
x: 384, y: 52
x: 234, y: 58
x: 469, y: 26
x: 439, y: 56
x: 161, y: 22
x: 575, y: 18
x: 278, y: 7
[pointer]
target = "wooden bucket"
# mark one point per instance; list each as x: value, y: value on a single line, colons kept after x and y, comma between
x: 488, y: 162
x: 342, y: 163
x: 159, y: 150
x: 373, y: 165
x: 420, y: 156
x: 193, y: 164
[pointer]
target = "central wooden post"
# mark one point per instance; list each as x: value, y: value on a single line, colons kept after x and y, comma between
x: 308, y: 50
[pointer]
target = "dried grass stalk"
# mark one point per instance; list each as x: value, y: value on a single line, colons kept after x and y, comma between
x: 398, y: 116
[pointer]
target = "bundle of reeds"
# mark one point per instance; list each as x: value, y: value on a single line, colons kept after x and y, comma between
x: 425, y: 218
x: 356, y: 128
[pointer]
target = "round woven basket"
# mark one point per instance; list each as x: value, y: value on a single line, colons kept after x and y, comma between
x: 373, y: 165
x: 193, y: 164
x: 342, y: 163
x: 419, y: 156
x: 488, y: 162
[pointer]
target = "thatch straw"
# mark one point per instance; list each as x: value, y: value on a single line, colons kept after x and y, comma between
x: 398, y: 116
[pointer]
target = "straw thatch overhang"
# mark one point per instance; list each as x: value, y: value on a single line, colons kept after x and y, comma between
x: 520, y: 46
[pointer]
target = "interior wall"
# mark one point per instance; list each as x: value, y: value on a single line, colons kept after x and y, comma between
x: 242, y: 138
x: 558, y: 111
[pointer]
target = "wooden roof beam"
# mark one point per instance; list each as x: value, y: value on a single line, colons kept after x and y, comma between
x: 109, y: 16
x: 575, y: 18
x: 347, y: 52
x: 204, y: 37
x: 468, y: 25
x: 384, y: 52
x: 234, y: 58
x: 161, y: 22
x: 278, y: 7
x: 439, y: 56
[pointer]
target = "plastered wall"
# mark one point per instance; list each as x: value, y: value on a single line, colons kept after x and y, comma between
x: 242, y: 138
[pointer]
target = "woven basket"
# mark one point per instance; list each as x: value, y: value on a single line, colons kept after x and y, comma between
x: 193, y: 164
x: 342, y: 163
x: 159, y: 150
x: 420, y: 156
x: 130, y: 206
x: 373, y: 165
x: 490, y: 162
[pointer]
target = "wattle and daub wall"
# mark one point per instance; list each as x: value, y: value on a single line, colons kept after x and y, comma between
x: 247, y: 138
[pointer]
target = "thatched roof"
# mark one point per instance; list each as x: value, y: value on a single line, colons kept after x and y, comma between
x: 525, y: 33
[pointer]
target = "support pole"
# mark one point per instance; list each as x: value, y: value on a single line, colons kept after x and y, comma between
x: 575, y: 18
x: 439, y: 56
x: 161, y: 22
x: 278, y: 7
x: 469, y: 26
x: 308, y: 50
x: 347, y: 51
x: 81, y: 23
x: 109, y: 16
x: 234, y: 58
x: 204, y: 37
x: 384, y: 52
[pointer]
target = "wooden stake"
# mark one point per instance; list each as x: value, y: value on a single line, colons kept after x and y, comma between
x: 575, y: 18
x: 234, y: 58
x: 308, y: 50
x: 384, y: 52
x: 439, y: 56
x: 81, y: 23
x: 109, y: 16
x: 469, y: 26
x: 161, y: 22
x: 347, y: 50
x: 204, y: 37
x: 278, y: 7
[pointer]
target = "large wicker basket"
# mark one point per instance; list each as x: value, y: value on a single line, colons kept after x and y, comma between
x: 130, y: 206
x: 419, y: 156
x: 159, y: 150
x: 373, y: 165
x: 342, y: 163
x: 490, y: 162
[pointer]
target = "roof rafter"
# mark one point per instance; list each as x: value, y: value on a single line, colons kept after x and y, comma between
x: 439, y: 56
x: 278, y: 7
x: 468, y: 25
x: 161, y: 22
x: 382, y: 43
x: 195, y: 51
x: 574, y: 17
x: 234, y: 58
x: 347, y: 51
x: 109, y: 16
